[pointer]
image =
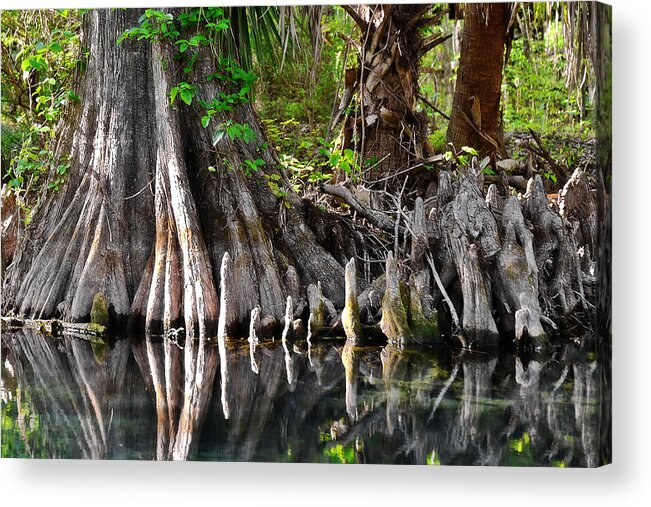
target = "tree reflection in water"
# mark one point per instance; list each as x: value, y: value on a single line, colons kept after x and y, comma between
x: 77, y: 395
x: 146, y: 398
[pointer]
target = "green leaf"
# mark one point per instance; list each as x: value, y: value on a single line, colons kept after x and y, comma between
x: 470, y: 150
x: 173, y: 94
x: 186, y: 96
x: 205, y: 121
x: 56, y: 47
x: 218, y: 135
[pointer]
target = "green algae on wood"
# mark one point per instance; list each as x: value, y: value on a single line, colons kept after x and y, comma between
x: 395, y: 323
x: 99, y: 312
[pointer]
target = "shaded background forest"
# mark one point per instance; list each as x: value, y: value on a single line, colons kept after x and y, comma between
x: 299, y: 56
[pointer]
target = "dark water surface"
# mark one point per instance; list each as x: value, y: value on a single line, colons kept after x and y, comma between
x: 332, y: 403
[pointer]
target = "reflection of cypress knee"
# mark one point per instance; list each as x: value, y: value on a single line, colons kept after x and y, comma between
x: 350, y: 316
x: 226, y: 320
x: 350, y: 359
x: 254, y: 326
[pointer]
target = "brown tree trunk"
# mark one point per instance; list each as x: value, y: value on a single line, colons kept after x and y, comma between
x: 144, y: 221
x: 476, y: 105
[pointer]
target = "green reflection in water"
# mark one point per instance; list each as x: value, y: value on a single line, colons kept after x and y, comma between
x: 128, y: 399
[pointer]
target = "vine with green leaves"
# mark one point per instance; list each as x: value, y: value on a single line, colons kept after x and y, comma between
x: 208, y: 24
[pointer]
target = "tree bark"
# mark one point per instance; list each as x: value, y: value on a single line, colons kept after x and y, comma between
x: 383, y: 126
x: 143, y: 221
x: 476, y: 105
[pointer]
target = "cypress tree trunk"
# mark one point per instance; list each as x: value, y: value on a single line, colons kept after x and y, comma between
x: 150, y: 206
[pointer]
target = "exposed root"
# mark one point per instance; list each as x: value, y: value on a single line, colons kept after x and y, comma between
x: 555, y: 251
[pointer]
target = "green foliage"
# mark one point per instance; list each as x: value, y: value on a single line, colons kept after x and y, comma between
x: 41, y: 56
x: 346, y: 161
x: 234, y: 131
x: 303, y: 89
x: 196, y: 41
x: 184, y: 90
x: 238, y: 78
x: 154, y: 25
x: 534, y: 91
x: 461, y: 157
x: 254, y: 35
x: 437, y: 140
x: 340, y: 454
x: 306, y: 160
x: 23, y: 435
x: 303, y: 171
x: 519, y: 452
x: 550, y: 176
x: 252, y: 166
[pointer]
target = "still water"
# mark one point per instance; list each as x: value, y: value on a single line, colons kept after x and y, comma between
x: 330, y: 402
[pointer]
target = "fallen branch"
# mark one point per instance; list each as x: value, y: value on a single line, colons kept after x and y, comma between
x: 517, y: 182
x: 375, y: 217
x: 55, y: 327
x: 439, y: 283
x: 446, y: 386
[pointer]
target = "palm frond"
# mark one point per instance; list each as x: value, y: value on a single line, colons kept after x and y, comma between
x: 272, y: 34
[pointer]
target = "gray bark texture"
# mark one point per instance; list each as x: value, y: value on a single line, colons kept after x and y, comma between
x: 142, y: 220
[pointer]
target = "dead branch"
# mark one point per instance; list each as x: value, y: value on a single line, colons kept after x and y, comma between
x: 433, y: 107
x: 517, y: 182
x: 375, y: 217
x: 361, y: 22
x: 542, y: 152
x: 432, y: 42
